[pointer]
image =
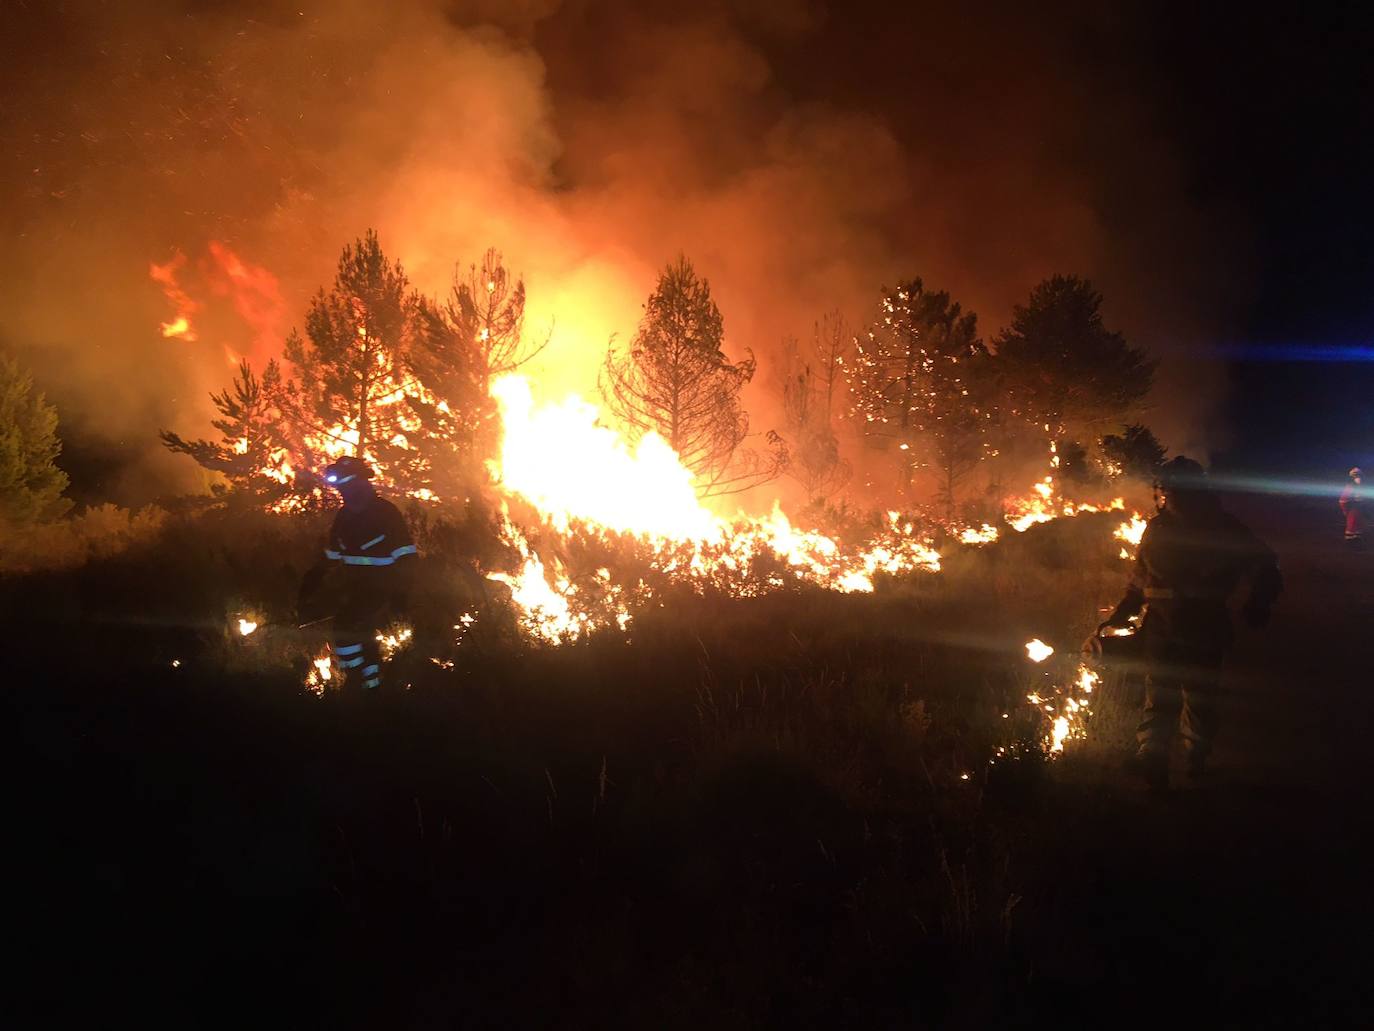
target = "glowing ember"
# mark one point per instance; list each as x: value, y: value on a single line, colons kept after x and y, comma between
x: 393, y: 640
x: 1038, y: 650
x: 247, y: 626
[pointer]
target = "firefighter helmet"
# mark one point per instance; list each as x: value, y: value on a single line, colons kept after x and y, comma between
x: 1181, y: 474
x: 346, y: 469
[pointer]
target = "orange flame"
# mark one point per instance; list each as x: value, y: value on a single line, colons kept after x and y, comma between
x: 166, y: 276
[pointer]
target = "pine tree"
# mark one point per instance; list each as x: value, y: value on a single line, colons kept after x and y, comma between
x: 477, y: 335
x: 676, y: 381
x: 1136, y: 451
x: 962, y: 420
x: 31, y: 484
x: 255, y: 449
x: 1063, y: 368
x: 352, y: 362
x: 919, y: 381
x: 487, y: 306
x: 812, y: 377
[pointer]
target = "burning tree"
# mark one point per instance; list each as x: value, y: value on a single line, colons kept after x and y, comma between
x: 31, y: 484
x: 810, y: 379
x: 253, y: 452
x: 920, y: 379
x: 487, y: 306
x: 676, y: 381
x: 477, y: 335
x: 352, y: 362
x: 1063, y: 368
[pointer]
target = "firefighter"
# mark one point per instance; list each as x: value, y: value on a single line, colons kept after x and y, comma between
x: 368, y: 562
x: 1191, y: 560
x: 1352, y: 507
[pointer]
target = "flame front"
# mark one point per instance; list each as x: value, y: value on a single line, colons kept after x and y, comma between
x: 561, y: 459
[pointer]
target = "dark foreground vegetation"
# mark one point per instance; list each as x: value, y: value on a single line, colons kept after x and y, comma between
x: 752, y: 813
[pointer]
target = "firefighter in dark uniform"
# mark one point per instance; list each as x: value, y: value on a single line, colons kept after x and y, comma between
x: 1191, y: 560
x: 368, y: 563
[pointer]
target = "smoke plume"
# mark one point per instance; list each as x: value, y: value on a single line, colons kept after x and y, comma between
x: 802, y: 154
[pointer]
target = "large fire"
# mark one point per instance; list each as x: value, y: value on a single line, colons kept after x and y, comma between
x: 567, y: 460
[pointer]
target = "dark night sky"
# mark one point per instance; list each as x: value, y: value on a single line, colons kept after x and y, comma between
x: 1278, y: 116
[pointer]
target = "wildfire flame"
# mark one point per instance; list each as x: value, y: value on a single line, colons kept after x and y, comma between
x: 564, y: 460
x: 1067, y: 709
x: 1130, y: 532
x: 572, y: 465
x: 321, y: 672
x: 166, y: 276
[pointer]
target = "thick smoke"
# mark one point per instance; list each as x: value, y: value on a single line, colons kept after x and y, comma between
x: 801, y: 154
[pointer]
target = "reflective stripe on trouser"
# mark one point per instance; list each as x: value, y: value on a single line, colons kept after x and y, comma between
x: 1180, y: 699
x: 358, y: 657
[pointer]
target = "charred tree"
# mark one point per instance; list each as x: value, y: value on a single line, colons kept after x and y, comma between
x: 676, y: 381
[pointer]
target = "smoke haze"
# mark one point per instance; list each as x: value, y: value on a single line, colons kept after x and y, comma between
x: 802, y: 154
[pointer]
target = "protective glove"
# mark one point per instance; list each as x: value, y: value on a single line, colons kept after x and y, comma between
x: 305, y: 599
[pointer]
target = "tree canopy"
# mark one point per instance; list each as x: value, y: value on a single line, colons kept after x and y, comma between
x: 918, y: 381
x: 812, y: 380
x: 676, y: 381
x: 31, y: 484
x: 1062, y: 368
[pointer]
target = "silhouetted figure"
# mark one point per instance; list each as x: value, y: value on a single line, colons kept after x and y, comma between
x: 1191, y: 559
x: 369, y: 555
x: 1353, y: 508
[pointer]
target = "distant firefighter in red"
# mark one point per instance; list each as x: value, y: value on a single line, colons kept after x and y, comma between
x: 1192, y: 558
x: 367, y: 567
x: 1353, y: 505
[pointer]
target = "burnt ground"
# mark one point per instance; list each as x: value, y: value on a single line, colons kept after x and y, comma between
x: 181, y: 853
